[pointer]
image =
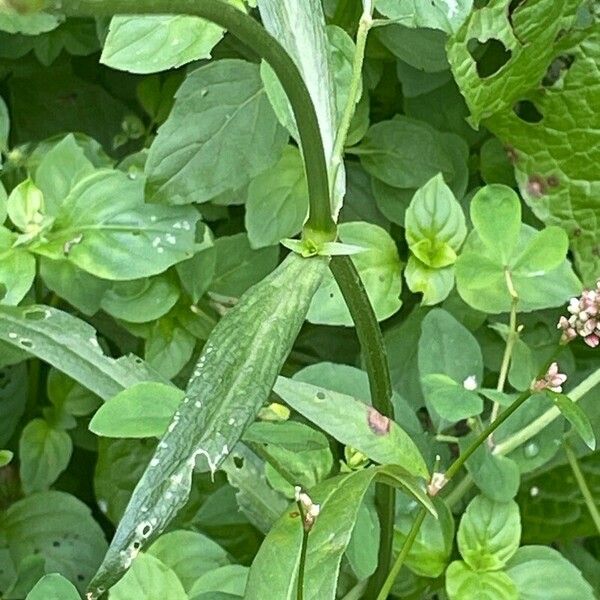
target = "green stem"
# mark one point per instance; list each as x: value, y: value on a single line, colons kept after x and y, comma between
x: 302, y: 565
x: 459, y: 490
x: 583, y: 486
x: 251, y: 33
x: 519, y: 438
x: 408, y: 542
x: 373, y: 350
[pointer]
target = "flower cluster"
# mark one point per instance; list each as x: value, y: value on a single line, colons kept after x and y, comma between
x: 584, y: 320
x: 552, y: 380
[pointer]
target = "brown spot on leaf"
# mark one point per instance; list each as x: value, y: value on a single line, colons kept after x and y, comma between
x: 552, y: 180
x: 536, y: 186
x: 576, y: 232
x: 379, y: 424
x: 511, y: 153
x: 295, y: 514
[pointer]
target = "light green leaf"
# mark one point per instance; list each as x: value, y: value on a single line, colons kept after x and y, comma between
x: 463, y: 583
x: 121, y: 239
x: 61, y: 167
x: 496, y: 215
x: 447, y: 15
x: 389, y: 148
x: 546, y: 251
x: 141, y: 300
x: 4, y: 126
x: 53, y: 587
x: 148, y: 579
x: 274, y: 570
x: 576, y: 416
x: 489, y: 533
x: 481, y: 278
x: 32, y: 24
x: 169, y: 346
x: 552, y: 61
x: 221, y: 112
x: 306, y: 41
x: 60, y: 529
x: 229, y: 579
x: 277, y: 202
x: 435, y: 224
x: 6, y: 457
x: 17, y: 269
x: 379, y: 268
x: 354, y: 423
x: 238, y: 266
x: 3, y: 200
x: 152, y: 43
x: 434, y: 284
x: 77, y: 287
x: 450, y: 400
x: 189, y: 555
x: 432, y: 548
x: 69, y: 396
x: 562, y: 580
x: 25, y: 207
x: 143, y: 410
x: 44, y: 453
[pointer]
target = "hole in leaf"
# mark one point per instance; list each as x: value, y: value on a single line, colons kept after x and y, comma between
x: 146, y: 530
x: 136, y: 545
x: 557, y: 69
x: 321, y: 395
x: 489, y: 56
x: 238, y: 461
x: 26, y: 343
x: 527, y: 111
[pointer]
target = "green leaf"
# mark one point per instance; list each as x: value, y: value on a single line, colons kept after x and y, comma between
x: 69, y: 396
x: 546, y: 251
x: 6, y: 457
x: 152, y: 43
x: 149, y: 579
x: 552, y: 506
x: 30, y: 24
x: 277, y: 202
x: 121, y: 239
x: 25, y: 207
x: 17, y: 269
x: 388, y: 150
x: 53, y: 587
x: 489, y: 533
x: 340, y: 499
x: 224, y: 105
x: 70, y: 345
x: 379, y: 269
x: 13, y: 398
x: 463, y: 583
x: 450, y: 400
x: 315, y: 56
x: 496, y: 215
x: 494, y: 164
x: 551, y: 61
x: 447, y: 15
x: 435, y: 224
x: 141, y: 300
x: 60, y: 529
x: 432, y: 548
x: 481, y: 278
x: 230, y: 579
x: 576, y: 416
x: 169, y: 346
x: 143, y: 410
x: 44, y: 453
x: 238, y: 266
x: 4, y: 127
x: 354, y: 423
x: 189, y: 555
x: 434, y: 284
x: 61, y: 167
x: 562, y: 580
x: 497, y: 476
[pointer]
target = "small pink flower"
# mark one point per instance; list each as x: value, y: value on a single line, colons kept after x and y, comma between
x: 553, y: 380
x: 583, y: 320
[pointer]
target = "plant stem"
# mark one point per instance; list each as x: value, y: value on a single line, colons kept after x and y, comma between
x: 408, y: 542
x: 459, y: 490
x: 250, y: 32
x: 373, y: 350
x: 583, y: 486
x: 519, y: 438
x: 302, y: 565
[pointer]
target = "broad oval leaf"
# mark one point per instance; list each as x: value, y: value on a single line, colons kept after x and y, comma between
x: 53, y: 587
x: 464, y: 583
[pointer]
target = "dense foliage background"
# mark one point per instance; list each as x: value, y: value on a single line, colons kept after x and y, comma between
x: 150, y: 168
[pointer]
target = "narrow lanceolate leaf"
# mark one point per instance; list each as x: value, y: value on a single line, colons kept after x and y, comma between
x: 354, y: 423
x: 70, y: 345
x: 275, y: 569
x: 233, y: 378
